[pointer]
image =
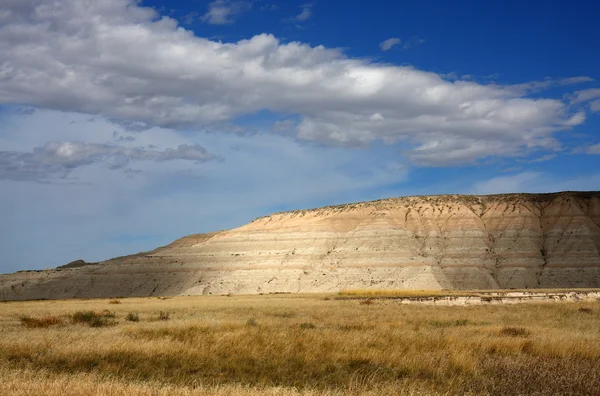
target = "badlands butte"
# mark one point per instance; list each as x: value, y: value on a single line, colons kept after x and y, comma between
x: 508, y: 241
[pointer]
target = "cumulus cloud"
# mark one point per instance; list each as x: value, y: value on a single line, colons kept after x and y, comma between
x: 224, y: 12
x: 124, y: 62
x: 387, y: 45
x: 59, y: 159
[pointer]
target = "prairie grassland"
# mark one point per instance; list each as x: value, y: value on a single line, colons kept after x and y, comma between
x: 296, y: 345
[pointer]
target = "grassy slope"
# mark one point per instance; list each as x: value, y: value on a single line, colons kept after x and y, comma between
x: 296, y: 344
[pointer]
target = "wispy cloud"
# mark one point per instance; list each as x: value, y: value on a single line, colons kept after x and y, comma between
x: 595, y: 149
x: 587, y: 94
x: 537, y: 86
x: 396, y: 41
x: 305, y: 14
x: 592, y: 96
x: 386, y: 45
x: 191, y: 17
x: 412, y: 42
x: 543, y: 158
x: 59, y: 159
x: 224, y: 12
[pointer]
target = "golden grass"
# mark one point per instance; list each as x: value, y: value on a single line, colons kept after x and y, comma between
x: 301, y: 345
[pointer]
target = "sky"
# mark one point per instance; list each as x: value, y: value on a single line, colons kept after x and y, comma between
x: 126, y: 124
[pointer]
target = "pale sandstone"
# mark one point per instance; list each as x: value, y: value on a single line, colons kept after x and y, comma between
x: 435, y: 242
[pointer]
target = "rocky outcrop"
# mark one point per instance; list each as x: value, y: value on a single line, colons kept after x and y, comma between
x: 431, y: 242
x: 76, y: 264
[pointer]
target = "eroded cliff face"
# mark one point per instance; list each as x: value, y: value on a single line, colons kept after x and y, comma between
x: 436, y: 242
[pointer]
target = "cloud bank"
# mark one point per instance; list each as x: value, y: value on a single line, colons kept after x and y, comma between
x: 125, y: 62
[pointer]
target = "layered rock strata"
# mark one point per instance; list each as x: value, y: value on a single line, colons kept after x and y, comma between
x: 431, y: 242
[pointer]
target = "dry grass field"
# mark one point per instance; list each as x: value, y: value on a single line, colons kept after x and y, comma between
x: 296, y: 345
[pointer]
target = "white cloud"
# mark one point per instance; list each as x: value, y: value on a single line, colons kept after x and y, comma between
x: 594, y: 149
x: 387, y: 45
x: 224, y: 12
x: 121, y: 61
x: 595, y: 106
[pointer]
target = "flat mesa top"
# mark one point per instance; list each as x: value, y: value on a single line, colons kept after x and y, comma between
x: 451, y: 198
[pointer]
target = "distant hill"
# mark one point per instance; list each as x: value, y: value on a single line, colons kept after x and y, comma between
x: 427, y: 242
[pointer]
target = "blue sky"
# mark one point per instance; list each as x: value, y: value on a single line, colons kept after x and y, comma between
x: 125, y: 125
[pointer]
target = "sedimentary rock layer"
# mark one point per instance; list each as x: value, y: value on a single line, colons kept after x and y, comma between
x: 431, y: 242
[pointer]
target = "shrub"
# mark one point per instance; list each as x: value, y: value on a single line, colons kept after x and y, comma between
x: 94, y: 319
x: 164, y: 315
x: 307, y: 325
x: 585, y: 310
x: 251, y: 322
x: 369, y: 301
x: 43, y: 322
x: 514, y: 332
x: 132, y: 317
x: 114, y: 301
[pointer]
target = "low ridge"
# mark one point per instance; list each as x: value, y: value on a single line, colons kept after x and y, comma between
x: 423, y: 242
